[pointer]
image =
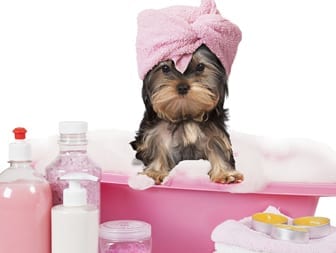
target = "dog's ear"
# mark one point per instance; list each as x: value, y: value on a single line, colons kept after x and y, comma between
x: 224, y: 91
x: 146, y: 92
x: 219, y: 112
x: 223, y: 88
x: 146, y: 95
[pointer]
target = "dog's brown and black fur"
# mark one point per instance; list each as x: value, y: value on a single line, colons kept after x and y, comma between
x: 185, y: 119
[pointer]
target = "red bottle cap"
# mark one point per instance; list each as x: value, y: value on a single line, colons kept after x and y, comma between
x: 20, y: 133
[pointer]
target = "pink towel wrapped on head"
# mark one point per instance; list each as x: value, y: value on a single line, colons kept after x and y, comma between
x: 174, y: 33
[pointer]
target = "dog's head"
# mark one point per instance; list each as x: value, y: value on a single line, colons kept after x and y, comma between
x: 176, y: 97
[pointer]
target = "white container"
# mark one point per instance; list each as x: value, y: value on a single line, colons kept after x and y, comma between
x: 75, y: 224
x: 131, y: 236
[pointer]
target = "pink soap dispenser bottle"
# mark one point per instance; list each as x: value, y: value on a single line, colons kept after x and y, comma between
x: 25, y: 203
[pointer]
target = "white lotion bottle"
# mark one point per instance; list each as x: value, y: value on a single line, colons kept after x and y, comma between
x: 75, y: 224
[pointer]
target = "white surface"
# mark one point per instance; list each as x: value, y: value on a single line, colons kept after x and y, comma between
x: 75, y: 60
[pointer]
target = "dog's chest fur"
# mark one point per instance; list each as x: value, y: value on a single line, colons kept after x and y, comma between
x: 186, y: 141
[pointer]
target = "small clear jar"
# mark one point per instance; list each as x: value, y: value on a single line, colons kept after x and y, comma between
x: 125, y: 236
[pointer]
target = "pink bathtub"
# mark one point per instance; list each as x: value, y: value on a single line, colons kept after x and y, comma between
x: 184, y: 216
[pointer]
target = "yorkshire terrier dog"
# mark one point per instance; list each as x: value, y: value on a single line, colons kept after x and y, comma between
x: 185, y: 119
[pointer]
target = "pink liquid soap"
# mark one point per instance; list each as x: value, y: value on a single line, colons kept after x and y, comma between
x: 25, y: 217
x: 25, y: 203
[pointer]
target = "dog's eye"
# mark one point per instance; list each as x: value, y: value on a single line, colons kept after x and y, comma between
x: 200, y: 67
x: 165, y: 69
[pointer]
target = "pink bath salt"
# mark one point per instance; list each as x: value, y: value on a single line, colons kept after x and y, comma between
x: 73, y: 158
x: 68, y: 162
x: 129, y: 247
x: 125, y: 236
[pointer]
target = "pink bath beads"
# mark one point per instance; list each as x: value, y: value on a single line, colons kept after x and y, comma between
x: 72, y: 158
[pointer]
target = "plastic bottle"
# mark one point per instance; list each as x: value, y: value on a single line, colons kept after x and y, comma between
x: 25, y: 203
x: 75, y: 224
x: 73, y: 158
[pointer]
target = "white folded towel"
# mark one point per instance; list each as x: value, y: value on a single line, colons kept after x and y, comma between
x: 223, y: 248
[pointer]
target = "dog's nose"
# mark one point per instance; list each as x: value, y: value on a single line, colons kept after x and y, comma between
x: 182, y: 88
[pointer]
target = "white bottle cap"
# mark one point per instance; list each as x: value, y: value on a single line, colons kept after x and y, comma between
x: 20, y: 150
x: 76, y: 195
x: 73, y: 127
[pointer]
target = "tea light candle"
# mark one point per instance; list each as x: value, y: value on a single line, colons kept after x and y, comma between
x: 290, y: 233
x: 317, y: 226
x: 263, y: 222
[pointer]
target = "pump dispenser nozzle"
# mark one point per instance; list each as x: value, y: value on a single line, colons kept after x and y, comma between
x: 76, y: 195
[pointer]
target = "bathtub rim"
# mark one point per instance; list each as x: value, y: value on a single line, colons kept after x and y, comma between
x: 274, y: 188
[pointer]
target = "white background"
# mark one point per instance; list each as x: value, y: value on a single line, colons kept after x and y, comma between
x: 75, y: 60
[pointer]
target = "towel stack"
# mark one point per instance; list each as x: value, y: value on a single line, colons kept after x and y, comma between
x: 238, y: 237
x: 222, y: 248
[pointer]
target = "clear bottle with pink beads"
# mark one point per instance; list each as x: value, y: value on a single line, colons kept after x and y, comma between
x: 73, y: 157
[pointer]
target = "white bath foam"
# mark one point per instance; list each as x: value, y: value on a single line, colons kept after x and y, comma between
x: 261, y: 160
x: 140, y: 182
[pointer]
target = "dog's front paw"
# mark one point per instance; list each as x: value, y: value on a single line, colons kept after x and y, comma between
x: 157, y: 175
x: 226, y: 176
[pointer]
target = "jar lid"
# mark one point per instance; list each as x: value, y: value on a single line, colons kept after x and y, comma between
x: 125, y: 230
